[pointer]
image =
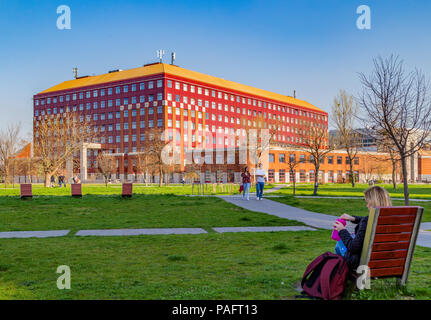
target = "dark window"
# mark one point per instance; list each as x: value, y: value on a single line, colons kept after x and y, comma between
x: 271, y: 175
x: 281, y: 157
x: 339, y: 160
x: 330, y: 160
x: 271, y: 157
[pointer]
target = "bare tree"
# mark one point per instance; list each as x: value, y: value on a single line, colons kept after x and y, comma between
x: 106, y: 165
x: 293, y: 164
x: 156, y: 142
x: 387, y: 147
x: 315, y: 141
x: 396, y: 105
x: 10, y: 145
x: 344, y: 113
x: 144, y: 164
x: 57, y: 140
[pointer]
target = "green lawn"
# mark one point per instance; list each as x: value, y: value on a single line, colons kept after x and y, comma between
x: 115, y: 189
x: 416, y: 191
x: 204, y: 266
x: 141, y: 211
x: 208, y: 266
x: 337, y: 207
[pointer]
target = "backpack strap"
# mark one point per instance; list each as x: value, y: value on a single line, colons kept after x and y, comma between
x: 311, y: 267
x: 325, y: 277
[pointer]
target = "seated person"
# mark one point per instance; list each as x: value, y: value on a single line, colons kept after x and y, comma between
x: 350, y: 246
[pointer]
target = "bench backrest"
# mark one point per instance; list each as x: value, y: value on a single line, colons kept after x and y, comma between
x: 76, y: 190
x: 25, y: 190
x: 390, y: 240
x: 127, y: 189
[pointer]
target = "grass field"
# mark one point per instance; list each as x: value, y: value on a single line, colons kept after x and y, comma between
x: 418, y: 191
x: 209, y: 266
x: 206, y: 266
x: 141, y: 211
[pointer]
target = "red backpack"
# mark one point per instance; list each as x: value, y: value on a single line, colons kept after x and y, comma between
x: 326, y: 277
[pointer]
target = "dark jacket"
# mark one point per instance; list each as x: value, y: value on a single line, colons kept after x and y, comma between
x: 354, y: 245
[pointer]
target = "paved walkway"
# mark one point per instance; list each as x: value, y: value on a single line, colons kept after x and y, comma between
x: 262, y: 229
x: 313, y: 219
x: 147, y: 231
x: 34, y: 234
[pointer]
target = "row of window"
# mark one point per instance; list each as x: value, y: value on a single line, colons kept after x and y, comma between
x: 98, y: 92
x: 102, y: 104
x: 282, y: 159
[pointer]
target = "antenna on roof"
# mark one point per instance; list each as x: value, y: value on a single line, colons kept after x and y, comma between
x: 160, y: 54
x: 294, y: 94
x: 173, y: 56
x: 75, y: 72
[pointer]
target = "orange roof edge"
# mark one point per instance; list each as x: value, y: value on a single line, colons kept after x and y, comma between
x: 172, y: 70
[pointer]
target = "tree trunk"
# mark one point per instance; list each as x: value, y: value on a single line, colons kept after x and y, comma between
x: 394, y: 174
x: 352, y: 173
x: 160, y: 178
x: 47, y: 179
x: 316, y: 180
x: 405, y: 179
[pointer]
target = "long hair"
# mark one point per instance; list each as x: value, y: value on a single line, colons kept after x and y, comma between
x: 377, y: 197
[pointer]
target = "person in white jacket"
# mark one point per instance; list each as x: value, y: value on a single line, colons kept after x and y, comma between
x: 260, y: 181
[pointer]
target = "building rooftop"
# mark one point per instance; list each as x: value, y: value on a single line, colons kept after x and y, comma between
x: 160, y: 68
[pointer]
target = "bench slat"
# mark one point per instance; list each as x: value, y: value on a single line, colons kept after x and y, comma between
x: 390, y: 263
x: 398, y: 211
x: 395, y: 220
x: 394, y: 228
x: 387, y: 272
x: 386, y: 246
x: 382, y: 255
x: 392, y: 237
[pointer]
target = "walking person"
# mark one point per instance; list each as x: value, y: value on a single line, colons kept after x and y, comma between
x: 246, y: 182
x: 260, y: 181
x: 52, y: 181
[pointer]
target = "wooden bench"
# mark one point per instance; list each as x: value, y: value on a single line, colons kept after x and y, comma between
x: 390, y: 241
x: 76, y: 190
x: 26, y: 190
x: 127, y: 190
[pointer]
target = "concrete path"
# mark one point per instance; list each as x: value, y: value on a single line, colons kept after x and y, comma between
x: 33, y: 234
x: 313, y: 219
x: 262, y: 229
x: 137, y: 232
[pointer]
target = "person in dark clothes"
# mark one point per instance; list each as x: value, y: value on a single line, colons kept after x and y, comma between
x: 375, y: 197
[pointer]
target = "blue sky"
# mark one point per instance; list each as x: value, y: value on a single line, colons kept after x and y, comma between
x: 310, y: 46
